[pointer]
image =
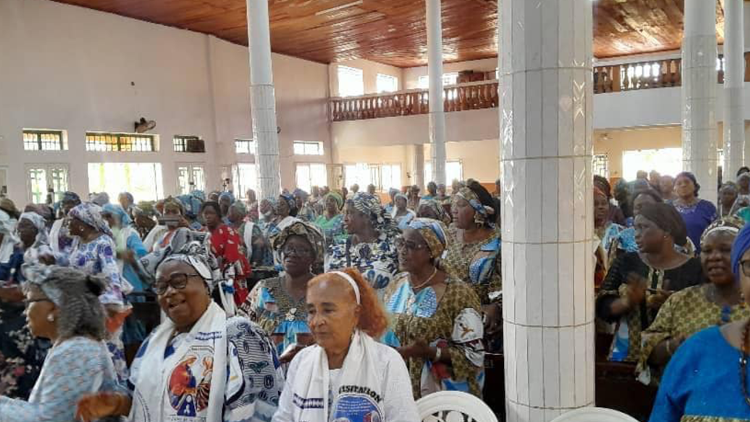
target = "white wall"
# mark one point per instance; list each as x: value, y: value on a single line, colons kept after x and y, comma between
x: 370, y: 72
x: 474, y: 125
x: 65, y: 67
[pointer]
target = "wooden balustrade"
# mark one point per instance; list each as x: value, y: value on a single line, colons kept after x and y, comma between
x: 468, y: 96
x: 649, y: 74
x: 484, y: 94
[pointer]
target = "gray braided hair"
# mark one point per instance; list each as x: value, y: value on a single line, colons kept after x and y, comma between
x: 76, y: 295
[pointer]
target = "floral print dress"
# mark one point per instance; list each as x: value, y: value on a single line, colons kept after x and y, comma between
x: 98, y: 257
x: 21, y: 355
x: 452, y: 321
x: 282, y: 317
x: 377, y: 261
x: 476, y: 263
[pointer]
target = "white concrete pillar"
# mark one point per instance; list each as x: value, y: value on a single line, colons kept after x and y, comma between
x: 263, y: 100
x: 546, y: 102
x: 734, y: 79
x: 435, y: 73
x: 418, y: 165
x: 699, y: 130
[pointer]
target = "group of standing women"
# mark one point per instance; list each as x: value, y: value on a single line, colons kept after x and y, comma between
x: 672, y: 294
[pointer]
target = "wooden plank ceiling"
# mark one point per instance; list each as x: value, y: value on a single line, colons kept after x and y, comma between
x: 393, y: 31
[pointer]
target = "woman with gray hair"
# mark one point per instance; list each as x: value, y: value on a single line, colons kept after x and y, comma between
x: 62, y: 304
x: 199, y: 364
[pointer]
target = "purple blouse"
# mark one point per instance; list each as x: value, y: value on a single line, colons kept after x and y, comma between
x: 697, y: 218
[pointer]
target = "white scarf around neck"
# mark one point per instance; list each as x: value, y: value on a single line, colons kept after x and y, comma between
x: 359, y: 394
x: 151, y: 399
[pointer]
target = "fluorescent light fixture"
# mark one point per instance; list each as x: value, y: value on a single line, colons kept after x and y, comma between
x: 337, y: 8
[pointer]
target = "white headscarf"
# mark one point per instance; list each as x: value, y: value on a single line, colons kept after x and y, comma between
x: 7, y: 229
x: 41, y: 243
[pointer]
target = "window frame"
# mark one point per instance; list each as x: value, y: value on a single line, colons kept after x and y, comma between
x: 428, y: 175
x: 182, y: 141
x: 305, y: 144
x: 309, y: 166
x: 48, y: 170
x: 191, y: 167
x: 39, y: 133
x: 353, y: 71
x: 381, y: 76
x: 243, y: 184
x: 251, y: 146
x: 93, y: 146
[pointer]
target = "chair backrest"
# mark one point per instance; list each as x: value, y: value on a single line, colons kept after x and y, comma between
x: 594, y: 414
x: 454, y: 406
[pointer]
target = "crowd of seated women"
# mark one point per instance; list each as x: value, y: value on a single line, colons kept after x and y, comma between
x: 298, y: 308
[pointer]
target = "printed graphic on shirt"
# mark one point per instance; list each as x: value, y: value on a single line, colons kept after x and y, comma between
x: 190, y: 382
x: 357, y: 408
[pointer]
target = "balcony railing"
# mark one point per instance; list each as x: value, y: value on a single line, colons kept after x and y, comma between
x: 467, y: 96
x: 649, y: 74
x: 484, y: 94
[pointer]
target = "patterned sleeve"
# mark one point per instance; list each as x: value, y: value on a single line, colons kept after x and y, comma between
x: 70, y: 371
x: 252, y: 306
x: 610, y: 290
x: 109, y: 269
x: 466, y: 347
x: 233, y: 253
x: 661, y: 329
x: 255, y: 375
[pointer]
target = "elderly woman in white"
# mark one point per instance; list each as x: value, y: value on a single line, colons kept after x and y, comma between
x: 198, y: 365
x: 346, y: 376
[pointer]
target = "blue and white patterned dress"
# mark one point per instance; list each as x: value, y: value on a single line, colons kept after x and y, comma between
x: 254, y: 373
x: 377, y: 261
x: 73, y: 368
x: 98, y: 258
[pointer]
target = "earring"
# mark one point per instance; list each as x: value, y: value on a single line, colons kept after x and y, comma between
x: 50, y: 318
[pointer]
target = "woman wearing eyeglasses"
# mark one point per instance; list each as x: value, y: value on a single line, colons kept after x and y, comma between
x: 198, y: 364
x: 278, y: 304
x: 717, y: 302
x: 707, y: 378
x: 436, y: 321
x: 62, y: 305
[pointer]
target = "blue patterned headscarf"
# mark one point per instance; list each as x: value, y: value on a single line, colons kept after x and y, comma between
x: 370, y: 206
x: 289, y: 201
x: 483, y: 212
x: 91, y: 214
x: 740, y: 246
x: 433, y: 233
x: 119, y: 212
x: 191, y: 204
x: 71, y: 197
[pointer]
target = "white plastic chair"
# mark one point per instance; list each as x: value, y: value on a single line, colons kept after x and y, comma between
x: 454, y: 406
x: 594, y: 414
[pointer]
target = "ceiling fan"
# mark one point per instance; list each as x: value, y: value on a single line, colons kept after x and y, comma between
x: 144, y: 125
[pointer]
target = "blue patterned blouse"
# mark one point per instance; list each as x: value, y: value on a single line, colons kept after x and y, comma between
x: 73, y: 368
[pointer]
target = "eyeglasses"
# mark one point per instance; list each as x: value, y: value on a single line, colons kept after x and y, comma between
x: 403, y: 244
x: 177, y: 281
x: 745, y: 267
x: 296, y: 252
